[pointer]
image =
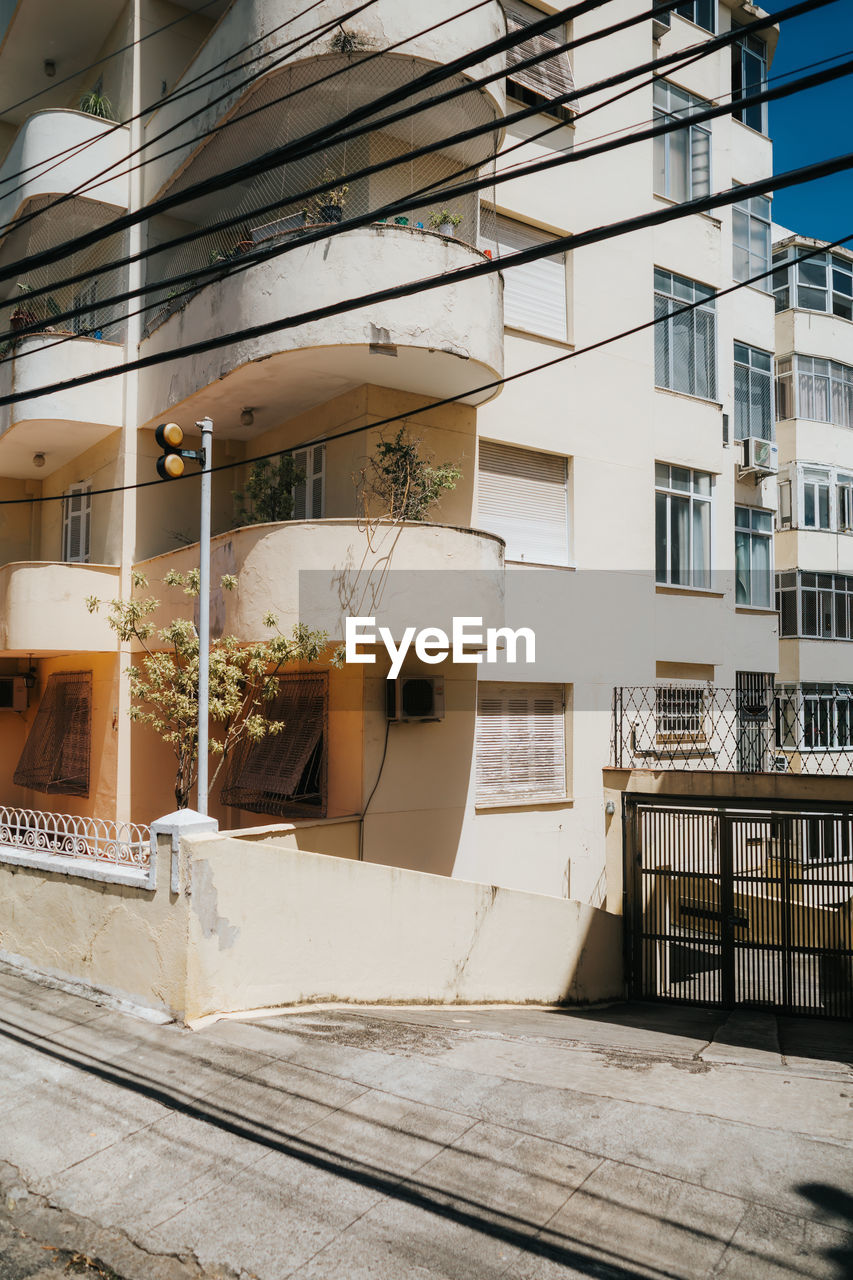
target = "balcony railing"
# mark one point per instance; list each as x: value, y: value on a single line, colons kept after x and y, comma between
x: 797, y: 729
x: 34, y: 835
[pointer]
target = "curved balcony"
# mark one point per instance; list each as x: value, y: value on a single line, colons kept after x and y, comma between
x: 66, y: 423
x: 322, y: 571
x: 91, y: 144
x: 42, y: 608
x: 378, y: 27
x: 439, y: 343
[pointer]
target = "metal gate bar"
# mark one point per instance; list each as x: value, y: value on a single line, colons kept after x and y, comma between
x: 736, y: 907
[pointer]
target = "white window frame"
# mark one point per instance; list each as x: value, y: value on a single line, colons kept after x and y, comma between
x: 796, y: 284
x: 746, y: 47
x: 534, y: 482
x: 759, y: 369
x: 692, y: 16
x: 830, y: 597
x: 804, y: 383
x: 674, y: 103
x: 755, y: 525
x: 827, y: 708
x: 672, y: 292
x: 82, y: 516
x: 757, y: 212
x: 669, y: 489
x: 521, y: 752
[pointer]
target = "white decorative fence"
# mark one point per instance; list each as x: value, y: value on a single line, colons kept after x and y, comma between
x: 32, y: 836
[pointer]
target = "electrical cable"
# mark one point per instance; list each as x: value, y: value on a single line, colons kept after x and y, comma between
x: 372, y: 794
x: 492, y: 385
x: 559, y: 244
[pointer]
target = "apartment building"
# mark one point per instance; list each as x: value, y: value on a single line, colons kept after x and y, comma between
x: 814, y: 538
x: 607, y: 501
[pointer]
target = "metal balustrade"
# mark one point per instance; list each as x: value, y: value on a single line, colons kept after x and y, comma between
x: 109, y: 844
x: 802, y: 729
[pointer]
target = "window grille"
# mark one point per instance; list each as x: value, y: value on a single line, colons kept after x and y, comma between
x: 753, y: 393
x: 815, y: 717
x: 535, y: 293
x: 685, y: 344
x: 520, y: 743
x: 751, y: 239
x: 76, y: 523
x: 285, y: 772
x: 523, y: 498
x: 681, y: 713
x: 55, y: 758
x: 683, y: 157
x: 545, y: 80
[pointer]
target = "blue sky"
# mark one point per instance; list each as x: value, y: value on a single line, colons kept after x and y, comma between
x: 815, y: 125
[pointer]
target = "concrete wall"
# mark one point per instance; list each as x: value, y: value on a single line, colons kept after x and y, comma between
x: 261, y: 922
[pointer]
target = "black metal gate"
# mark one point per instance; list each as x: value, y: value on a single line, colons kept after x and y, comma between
x: 734, y: 906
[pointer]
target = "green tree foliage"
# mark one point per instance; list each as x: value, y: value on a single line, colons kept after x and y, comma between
x: 164, y: 686
x: 269, y: 491
x: 401, y: 482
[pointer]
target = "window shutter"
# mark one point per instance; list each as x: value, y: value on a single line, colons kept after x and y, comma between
x: 520, y: 743
x: 55, y: 758
x: 317, y: 481
x: 308, y: 496
x: 535, y: 294
x: 300, y: 491
x: 266, y: 776
x: 76, y: 523
x: 550, y: 78
x: 523, y: 498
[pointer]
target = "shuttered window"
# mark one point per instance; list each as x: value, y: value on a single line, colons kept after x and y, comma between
x: 285, y: 772
x: 55, y: 758
x: 76, y: 523
x: 535, y: 293
x: 523, y: 498
x: 550, y: 78
x: 520, y: 743
x: 308, y: 496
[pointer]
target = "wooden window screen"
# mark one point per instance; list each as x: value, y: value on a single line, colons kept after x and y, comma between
x: 550, y: 78
x: 56, y: 754
x: 285, y: 773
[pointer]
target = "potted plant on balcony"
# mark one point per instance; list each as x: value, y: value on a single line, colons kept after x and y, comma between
x: 95, y: 103
x: 444, y: 222
x: 29, y: 313
x: 327, y: 206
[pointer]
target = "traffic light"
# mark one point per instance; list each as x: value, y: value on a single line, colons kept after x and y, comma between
x: 170, y: 437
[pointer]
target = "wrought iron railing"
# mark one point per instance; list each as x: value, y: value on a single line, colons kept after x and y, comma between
x: 117, y: 844
x: 805, y: 729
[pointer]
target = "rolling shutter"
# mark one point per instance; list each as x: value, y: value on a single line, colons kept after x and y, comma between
x: 55, y: 758
x: 520, y: 743
x: 269, y: 776
x: 535, y: 294
x: 550, y: 78
x: 523, y: 498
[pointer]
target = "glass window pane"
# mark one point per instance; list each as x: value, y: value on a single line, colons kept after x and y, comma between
x: 661, y: 562
x: 700, y: 172
x: 680, y: 479
x: 813, y: 271
x: 809, y: 506
x: 679, y: 541
x: 811, y: 299
x: 741, y: 568
x: 702, y: 483
x: 662, y: 475
x: 823, y: 506
x: 701, y: 544
x: 760, y: 573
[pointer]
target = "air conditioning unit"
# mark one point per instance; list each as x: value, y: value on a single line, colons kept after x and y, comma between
x: 415, y: 698
x: 760, y: 456
x: 13, y: 693
x: 781, y: 763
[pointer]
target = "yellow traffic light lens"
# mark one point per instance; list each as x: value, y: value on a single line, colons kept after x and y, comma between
x: 169, y: 435
x: 174, y: 465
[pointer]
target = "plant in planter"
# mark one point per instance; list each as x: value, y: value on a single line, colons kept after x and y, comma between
x: 95, y: 103
x: 327, y: 206
x: 29, y: 313
x: 444, y: 222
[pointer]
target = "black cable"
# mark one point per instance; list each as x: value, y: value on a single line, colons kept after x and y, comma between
x: 493, y: 385
x: 560, y: 244
x: 372, y: 794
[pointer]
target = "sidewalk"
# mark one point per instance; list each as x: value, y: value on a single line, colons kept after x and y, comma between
x: 432, y: 1143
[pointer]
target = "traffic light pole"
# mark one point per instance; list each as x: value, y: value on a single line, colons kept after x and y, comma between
x: 204, y: 613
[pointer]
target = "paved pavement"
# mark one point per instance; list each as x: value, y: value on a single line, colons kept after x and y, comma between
x: 422, y: 1143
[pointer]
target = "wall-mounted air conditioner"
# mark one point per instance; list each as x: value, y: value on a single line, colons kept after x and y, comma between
x: 415, y: 698
x: 781, y: 763
x: 761, y: 457
x: 13, y: 693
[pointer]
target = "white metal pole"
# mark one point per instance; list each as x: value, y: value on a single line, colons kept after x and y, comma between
x: 204, y: 613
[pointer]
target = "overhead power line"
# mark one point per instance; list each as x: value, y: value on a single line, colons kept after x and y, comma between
x: 431, y: 406
x: 205, y: 274
x: 559, y: 244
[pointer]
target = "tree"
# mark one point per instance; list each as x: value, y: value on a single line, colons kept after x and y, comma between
x: 164, y: 687
x: 269, y: 489
x: 402, y: 481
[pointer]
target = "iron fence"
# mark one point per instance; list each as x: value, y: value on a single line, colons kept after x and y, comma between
x: 756, y: 728
x: 117, y: 844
